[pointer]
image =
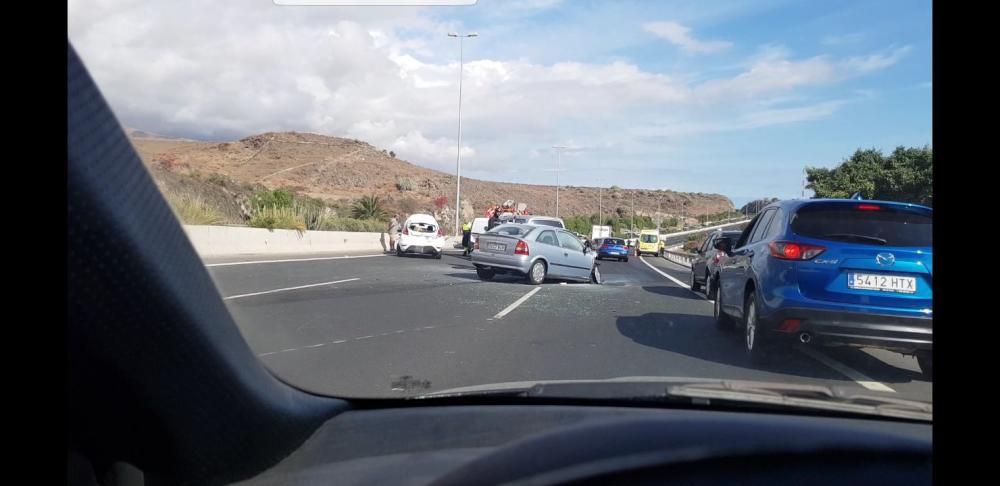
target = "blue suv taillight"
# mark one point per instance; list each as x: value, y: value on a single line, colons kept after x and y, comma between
x: 787, y: 250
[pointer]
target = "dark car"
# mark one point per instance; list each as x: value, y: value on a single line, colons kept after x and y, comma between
x: 832, y: 272
x: 611, y: 248
x: 706, y: 262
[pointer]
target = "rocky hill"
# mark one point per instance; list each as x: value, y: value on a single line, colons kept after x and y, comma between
x: 339, y: 170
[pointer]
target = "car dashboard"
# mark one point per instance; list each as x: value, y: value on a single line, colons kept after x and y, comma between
x: 549, y: 444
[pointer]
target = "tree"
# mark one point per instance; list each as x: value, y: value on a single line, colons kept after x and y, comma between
x: 368, y: 207
x: 906, y: 175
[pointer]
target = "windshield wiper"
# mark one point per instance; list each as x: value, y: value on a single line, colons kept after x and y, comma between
x: 704, y: 393
x: 805, y: 396
x: 852, y: 236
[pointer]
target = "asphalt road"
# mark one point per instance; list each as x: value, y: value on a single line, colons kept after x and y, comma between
x: 376, y: 326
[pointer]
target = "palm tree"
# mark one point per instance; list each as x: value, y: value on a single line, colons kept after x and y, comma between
x: 368, y: 207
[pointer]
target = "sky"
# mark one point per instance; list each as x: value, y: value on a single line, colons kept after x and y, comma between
x: 717, y: 96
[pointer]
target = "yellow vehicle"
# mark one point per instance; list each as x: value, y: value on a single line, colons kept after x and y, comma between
x: 649, y: 242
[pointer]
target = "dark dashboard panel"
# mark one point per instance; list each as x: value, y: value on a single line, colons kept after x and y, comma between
x: 428, y: 445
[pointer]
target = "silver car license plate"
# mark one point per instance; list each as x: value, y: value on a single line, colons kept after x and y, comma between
x: 496, y: 246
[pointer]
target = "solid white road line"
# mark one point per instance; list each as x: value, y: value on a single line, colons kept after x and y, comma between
x: 672, y: 279
x: 843, y: 369
x: 851, y: 373
x: 516, y: 303
x: 292, y: 260
x: 290, y: 288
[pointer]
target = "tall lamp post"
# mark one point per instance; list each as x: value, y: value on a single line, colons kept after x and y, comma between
x: 559, y: 149
x: 458, y: 156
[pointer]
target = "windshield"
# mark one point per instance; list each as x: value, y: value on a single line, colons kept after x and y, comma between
x: 887, y: 226
x: 298, y: 144
x: 511, y: 230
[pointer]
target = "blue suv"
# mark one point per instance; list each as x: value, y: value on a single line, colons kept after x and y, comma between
x: 830, y: 272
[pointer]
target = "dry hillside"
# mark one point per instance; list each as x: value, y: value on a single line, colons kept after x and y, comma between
x: 339, y: 170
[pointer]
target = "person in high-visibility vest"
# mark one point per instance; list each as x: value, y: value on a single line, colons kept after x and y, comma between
x: 467, y: 238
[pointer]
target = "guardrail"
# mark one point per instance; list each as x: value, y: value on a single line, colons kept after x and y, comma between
x: 679, y: 258
x: 702, y: 230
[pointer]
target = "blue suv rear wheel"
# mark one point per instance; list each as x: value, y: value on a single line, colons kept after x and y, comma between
x: 756, y: 341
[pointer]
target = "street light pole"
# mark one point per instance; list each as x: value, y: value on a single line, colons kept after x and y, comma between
x: 657, y: 217
x: 633, y: 213
x: 600, y: 206
x: 559, y: 149
x: 458, y: 155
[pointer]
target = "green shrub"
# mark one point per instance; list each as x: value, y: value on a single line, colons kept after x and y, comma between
x: 368, y: 207
x: 273, y: 198
x: 217, y: 179
x: 352, y: 224
x: 404, y: 184
x: 194, y: 210
x: 274, y: 218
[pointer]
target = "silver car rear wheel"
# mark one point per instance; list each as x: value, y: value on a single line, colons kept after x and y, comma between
x: 595, y: 275
x: 536, y: 274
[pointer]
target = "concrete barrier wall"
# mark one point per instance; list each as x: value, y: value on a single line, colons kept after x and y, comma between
x: 679, y: 258
x: 227, y: 240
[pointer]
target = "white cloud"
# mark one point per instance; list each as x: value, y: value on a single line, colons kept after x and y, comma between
x: 530, y: 4
x: 790, y: 115
x: 776, y: 74
x: 391, y: 78
x: 845, y: 39
x: 875, y: 62
x: 681, y: 36
x: 440, y: 151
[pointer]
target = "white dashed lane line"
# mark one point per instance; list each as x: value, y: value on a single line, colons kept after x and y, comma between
x: 255, y: 262
x: 240, y: 296
x: 857, y: 376
x: 671, y: 278
x: 847, y: 371
x: 516, y: 303
x: 342, y: 341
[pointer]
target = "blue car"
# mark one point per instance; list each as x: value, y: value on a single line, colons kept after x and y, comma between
x: 830, y: 272
x: 611, y: 248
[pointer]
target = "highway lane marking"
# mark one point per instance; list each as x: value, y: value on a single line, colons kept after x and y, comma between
x: 254, y: 262
x: 847, y: 371
x: 516, y: 303
x: 843, y: 369
x: 341, y: 341
x: 672, y: 279
x: 240, y: 296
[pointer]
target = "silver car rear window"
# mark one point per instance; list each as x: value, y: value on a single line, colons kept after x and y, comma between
x: 511, y: 230
x: 547, y: 222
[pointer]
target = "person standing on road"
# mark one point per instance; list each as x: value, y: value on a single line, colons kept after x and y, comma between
x: 393, y: 232
x: 467, y: 238
x: 494, y: 221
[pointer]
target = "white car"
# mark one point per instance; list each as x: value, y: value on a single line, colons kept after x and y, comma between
x: 421, y: 235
